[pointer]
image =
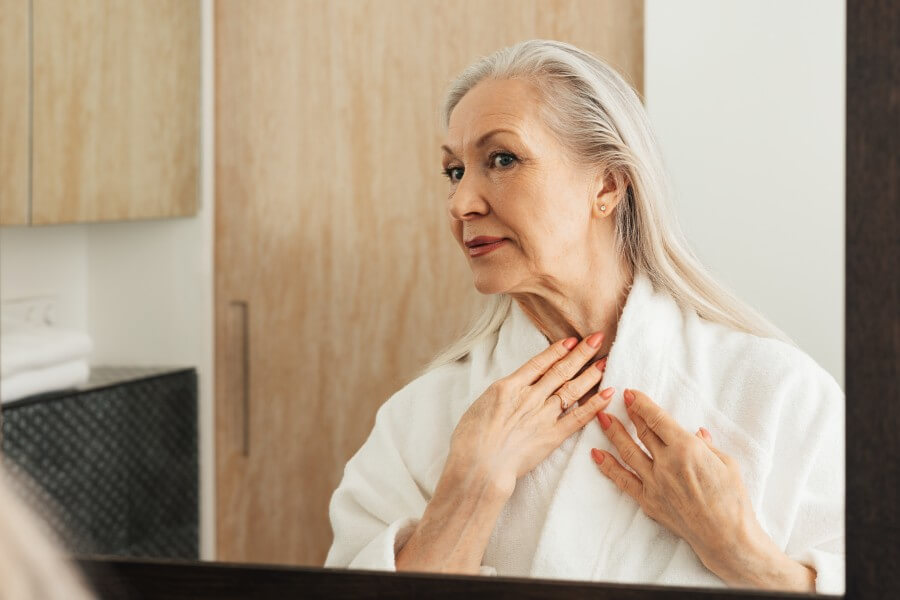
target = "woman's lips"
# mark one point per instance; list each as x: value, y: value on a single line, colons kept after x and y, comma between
x: 485, y: 248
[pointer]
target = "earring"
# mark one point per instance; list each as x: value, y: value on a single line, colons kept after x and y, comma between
x: 602, y: 207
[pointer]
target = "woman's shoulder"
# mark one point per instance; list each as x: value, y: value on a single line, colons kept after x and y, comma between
x: 721, y: 358
x: 448, y: 388
x: 433, y: 387
x: 427, y: 404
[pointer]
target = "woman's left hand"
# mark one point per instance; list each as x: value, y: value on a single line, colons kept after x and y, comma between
x: 689, y: 486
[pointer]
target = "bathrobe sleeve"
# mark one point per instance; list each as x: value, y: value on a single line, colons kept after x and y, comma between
x: 384, y: 490
x: 377, y: 505
x: 809, y: 451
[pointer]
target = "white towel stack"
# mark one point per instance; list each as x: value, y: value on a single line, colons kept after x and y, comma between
x: 35, y: 359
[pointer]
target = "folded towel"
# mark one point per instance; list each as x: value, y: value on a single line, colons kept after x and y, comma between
x: 24, y: 347
x: 48, y: 379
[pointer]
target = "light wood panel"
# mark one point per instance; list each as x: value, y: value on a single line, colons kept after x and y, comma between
x: 336, y: 273
x: 14, y: 68
x: 116, y: 109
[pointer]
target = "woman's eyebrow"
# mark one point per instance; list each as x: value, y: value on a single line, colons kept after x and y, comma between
x: 484, y: 138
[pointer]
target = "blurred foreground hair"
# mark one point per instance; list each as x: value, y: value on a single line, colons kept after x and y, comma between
x: 32, y: 565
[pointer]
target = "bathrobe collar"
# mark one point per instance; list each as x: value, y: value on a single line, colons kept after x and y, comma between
x: 646, y: 325
x: 584, y: 496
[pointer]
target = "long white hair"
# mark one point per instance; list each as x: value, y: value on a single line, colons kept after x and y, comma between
x: 33, y: 564
x: 599, y: 117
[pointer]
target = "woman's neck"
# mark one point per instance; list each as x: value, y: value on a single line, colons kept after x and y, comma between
x: 580, y: 310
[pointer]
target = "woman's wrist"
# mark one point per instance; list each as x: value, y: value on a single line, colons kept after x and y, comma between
x: 775, y: 570
x: 455, y: 529
x: 755, y: 561
x: 477, y: 480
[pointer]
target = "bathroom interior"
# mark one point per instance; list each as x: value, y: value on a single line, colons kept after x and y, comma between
x: 223, y: 245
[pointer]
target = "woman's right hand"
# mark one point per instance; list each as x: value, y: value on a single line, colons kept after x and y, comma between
x: 515, y: 424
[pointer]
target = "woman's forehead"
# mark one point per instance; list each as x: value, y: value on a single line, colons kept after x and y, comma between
x: 481, y: 133
x: 507, y: 107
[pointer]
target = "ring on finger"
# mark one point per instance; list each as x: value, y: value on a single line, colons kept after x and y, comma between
x: 562, y: 402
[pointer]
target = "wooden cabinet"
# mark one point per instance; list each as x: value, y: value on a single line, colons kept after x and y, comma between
x: 336, y: 276
x: 14, y: 114
x: 113, y: 110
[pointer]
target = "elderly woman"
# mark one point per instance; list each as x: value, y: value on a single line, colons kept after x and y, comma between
x: 509, y: 456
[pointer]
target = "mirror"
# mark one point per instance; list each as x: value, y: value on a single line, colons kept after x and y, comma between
x: 319, y: 277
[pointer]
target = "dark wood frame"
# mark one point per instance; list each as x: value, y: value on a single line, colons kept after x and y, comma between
x: 872, y: 328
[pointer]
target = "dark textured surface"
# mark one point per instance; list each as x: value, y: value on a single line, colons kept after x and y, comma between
x: 873, y: 301
x: 114, y: 468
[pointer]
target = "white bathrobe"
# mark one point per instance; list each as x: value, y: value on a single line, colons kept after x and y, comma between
x: 766, y: 403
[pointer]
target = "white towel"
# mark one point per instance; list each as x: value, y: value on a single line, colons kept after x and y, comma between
x: 767, y: 404
x: 24, y: 347
x: 47, y: 379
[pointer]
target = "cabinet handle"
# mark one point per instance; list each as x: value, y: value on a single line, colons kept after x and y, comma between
x: 239, y: 373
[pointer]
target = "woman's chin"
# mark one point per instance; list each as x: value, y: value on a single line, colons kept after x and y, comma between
x: 490, y: 285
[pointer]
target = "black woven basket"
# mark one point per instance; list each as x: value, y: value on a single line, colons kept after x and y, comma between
x: 112, y: 466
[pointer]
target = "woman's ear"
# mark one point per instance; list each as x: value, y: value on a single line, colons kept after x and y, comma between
x: 609, y: 190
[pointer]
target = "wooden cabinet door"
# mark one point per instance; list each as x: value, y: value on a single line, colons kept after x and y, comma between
x: 116, y: 109
x: 14, y: 114
x: 336, y: 276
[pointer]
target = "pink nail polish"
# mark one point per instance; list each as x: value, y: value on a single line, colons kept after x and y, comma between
x: 604, y: 420
x: 570, y: 343
x: 597, y: 455
x: 629, y: 397
x: 594, y: 340
x: 608, y: 392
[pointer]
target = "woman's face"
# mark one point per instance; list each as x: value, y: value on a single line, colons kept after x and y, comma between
x: 511, y: 179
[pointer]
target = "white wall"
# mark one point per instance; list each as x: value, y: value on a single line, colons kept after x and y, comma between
x: 747, y: 99
x: 47, y: 261
x: 143, y: 290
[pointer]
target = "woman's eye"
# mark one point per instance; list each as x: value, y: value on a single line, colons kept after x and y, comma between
x: 502, y: 159
x: 498, y: 159
x: 449, y: 171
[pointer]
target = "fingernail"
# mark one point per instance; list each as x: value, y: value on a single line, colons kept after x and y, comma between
x: 608, y: 392
x: 705, y: 433
x: 601, y: 364
x: 594, y: 340
x: 570, y: 343
x: 629, y: 397
x: 604, y: 420
x: 597, y: 455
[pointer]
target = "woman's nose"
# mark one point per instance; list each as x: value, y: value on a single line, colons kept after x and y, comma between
x: 467, y: 202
